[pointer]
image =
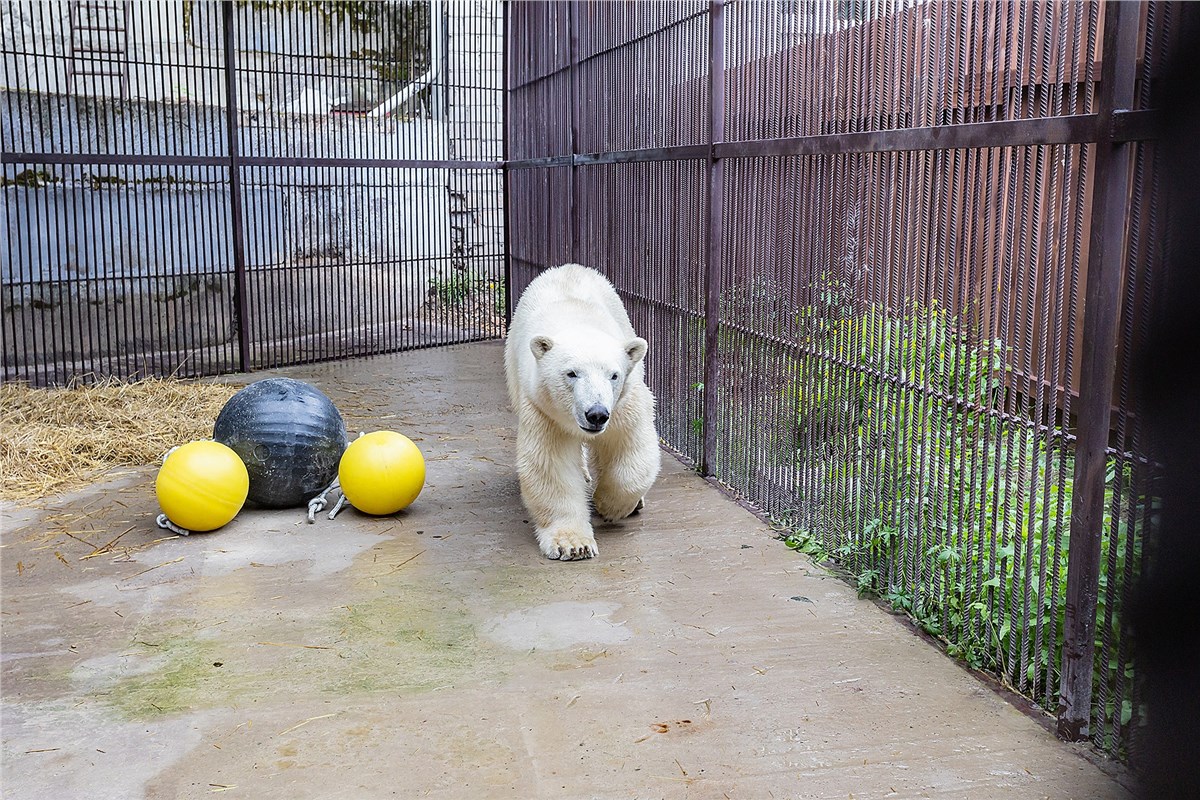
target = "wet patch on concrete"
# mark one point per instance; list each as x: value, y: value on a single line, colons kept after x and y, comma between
x: 67, y: 749
x: 537, y: 579
x: 558, y: 626
x: 407, y: 639
x: 170, y: 668
x: 172, y: 565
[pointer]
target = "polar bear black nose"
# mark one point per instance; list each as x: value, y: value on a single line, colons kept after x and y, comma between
x: 597, y: 415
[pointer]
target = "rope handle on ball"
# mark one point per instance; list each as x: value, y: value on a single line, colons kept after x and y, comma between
x: 166, y: 524
x: 341, y: 503
x: 320, y: 501
x: 162, y: 520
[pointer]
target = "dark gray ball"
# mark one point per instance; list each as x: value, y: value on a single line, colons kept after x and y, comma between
x: 290, y: 436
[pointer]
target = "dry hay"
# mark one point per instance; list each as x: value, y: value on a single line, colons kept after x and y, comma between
x: 58, y: 440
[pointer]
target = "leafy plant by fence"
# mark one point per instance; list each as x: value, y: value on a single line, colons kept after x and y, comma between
x: 896, y: 412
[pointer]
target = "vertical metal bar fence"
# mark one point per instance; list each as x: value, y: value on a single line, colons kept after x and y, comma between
x: 220, y: 186
x: 857, y: 236
x: 715, y: 213
x: 235, y: 190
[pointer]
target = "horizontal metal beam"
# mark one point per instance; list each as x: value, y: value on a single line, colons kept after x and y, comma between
x: 1135, y: 126
x: 149, y: 160
x: 1078, y: 129
x: 1127, y: 126
x: 398, y: 163
x: 687, y: 152
x: 1004, y: 133
x: 118, y: 159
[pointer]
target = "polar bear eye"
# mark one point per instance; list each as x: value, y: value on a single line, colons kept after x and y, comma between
x: 572, y: 374
x: 613, y: 377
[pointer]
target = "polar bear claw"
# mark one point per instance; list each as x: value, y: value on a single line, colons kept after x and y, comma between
x: 567, y: 545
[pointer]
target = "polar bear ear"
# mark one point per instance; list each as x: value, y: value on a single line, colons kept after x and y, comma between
x: 540, y: 345
x: 636, y: 349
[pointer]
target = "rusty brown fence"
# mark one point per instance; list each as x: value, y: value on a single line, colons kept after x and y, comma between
x: 893, y: 259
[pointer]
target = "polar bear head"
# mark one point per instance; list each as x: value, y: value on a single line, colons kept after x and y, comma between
x: 583, y: 378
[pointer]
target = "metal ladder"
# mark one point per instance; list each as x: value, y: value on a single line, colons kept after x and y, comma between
x: 99, y: 55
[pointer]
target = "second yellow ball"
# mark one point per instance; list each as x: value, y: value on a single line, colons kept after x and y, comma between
x: 382, y: 472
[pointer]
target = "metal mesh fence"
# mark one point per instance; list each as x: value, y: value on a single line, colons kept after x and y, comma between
x: 201, y: 187
x: 862, y: 238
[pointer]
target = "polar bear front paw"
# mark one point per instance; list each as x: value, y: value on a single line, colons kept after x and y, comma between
x: 565, y: 544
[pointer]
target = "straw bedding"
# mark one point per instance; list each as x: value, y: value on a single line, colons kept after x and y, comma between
x: 60, y: 440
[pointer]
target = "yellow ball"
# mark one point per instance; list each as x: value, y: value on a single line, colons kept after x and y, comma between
x: 202, y: 485
x: 382, y: 472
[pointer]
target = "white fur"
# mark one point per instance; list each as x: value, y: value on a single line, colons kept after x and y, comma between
x: 571, y: 350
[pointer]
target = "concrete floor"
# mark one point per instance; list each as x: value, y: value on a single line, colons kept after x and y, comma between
x: 435, y: 653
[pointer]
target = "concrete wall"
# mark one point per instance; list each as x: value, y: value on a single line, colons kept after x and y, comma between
x: 99, y: 221
x: 119, y: 227
x: 171, y: 60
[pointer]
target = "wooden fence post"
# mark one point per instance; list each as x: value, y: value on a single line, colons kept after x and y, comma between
x: 1106, y: 253
x: 715, y: 213
x: 506, y: 154
x: 235, y: 188
x: 574, y: 203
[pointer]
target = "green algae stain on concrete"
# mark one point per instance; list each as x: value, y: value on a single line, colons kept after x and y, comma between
x: 407, y: 641
x: 236, y: 640
x: 168, y: 670
x: 405, y: 637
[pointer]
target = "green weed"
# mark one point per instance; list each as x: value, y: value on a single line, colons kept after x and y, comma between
x: 459, y: 287
x: 927, y: 480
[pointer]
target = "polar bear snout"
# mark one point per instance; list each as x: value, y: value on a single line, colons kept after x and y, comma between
x: 596, y: 418
x: 595, y: 391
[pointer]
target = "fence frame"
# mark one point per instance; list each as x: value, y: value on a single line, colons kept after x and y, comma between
x: 1114, y: 128
x: 241, y: 315
x: 1114, y: 162
x: 232, y: 161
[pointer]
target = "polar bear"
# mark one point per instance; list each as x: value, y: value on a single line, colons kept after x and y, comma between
x: 585, y: 417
